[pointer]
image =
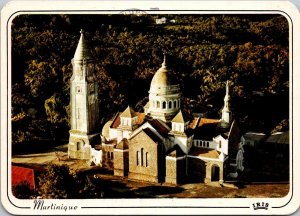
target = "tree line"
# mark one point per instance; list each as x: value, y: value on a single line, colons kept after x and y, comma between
x: 251, y: 51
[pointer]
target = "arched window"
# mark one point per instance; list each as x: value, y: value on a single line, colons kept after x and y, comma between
x: 111, y: 155
x: 174, y: 104
x: 157, y: 104
x: 170, y: 104
x: 220, y: 144
x: 164, y: 105
x: 142, y: 157
x: 137, y: 158
x: 108, y: 155
x: 207, y: 144
x: 200, y: 143
x: 146, y: 159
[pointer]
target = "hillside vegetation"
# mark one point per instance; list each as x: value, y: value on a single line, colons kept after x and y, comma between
x: 251, y: 51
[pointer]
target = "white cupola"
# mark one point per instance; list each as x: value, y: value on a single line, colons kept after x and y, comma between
x: 164, y: 94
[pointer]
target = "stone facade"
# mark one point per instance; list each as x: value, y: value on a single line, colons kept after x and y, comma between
x: 108, y: 156
x: 121, y: 158
x: 145, y: 158
x: 84, y: 103
x: 175, y: 170
x: 121, y: 162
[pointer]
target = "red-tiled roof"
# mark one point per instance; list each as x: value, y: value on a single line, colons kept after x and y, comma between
x: 207, y: 129
x: 141, y: 117
x: 22, y: 174
x: 194, y: 123
x: 204, y: 121
x: 202, y: 152
x: 117, y: 120
x: 157, y: 125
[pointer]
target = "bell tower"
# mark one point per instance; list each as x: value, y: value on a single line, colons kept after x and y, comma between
x: 226, y: 113
x: 84, y: 104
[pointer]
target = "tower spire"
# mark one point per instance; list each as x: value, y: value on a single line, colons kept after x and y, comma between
x: 226, y: 113
x: 82, y: 50
x: 226, y: 98
x: 164, y: 64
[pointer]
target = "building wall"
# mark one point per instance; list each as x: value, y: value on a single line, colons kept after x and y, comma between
x: 108, y: 156
x: 209, y: 171
x: 80, y: 145
x: 121, y: 162
x: 175, y: 170
x: 151, y: 168
x: 196, y: 169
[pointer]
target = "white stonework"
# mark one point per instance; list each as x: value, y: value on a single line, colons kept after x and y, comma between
x: 226, y: 113
x: 84, y: 103
x: 164, y: 95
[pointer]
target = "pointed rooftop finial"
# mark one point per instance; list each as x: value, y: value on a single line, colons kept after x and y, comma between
x: 227, y: 88
x: 82, y: 50
x: 164, y: 64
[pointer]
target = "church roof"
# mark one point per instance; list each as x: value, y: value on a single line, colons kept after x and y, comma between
x: 160, y: 127
x: 128, y: 113
x: 279, y: 138
x: 175, y: 151
x: 123, y: 144
x: 163, y: 76
x: 179, y: 118
x: 194, y: 122
x: 207, y: 129
x: 117, y: 120
x: 203, y: 152
x: 105, y: 129
x: 82, y: 51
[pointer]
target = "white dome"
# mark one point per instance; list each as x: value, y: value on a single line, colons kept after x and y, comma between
x: 163, y: 81
x: 164, y: 95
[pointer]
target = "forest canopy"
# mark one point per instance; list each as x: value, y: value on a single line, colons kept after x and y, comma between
x: 251, y: 51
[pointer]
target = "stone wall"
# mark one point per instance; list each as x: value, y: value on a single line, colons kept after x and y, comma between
x: 210, y: 167
x: 121, y: 162
x: 145, y: 159
x: 108, y: 156
x: 175, y: 170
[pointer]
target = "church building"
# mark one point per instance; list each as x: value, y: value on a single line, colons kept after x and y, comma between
x: 160, y: 144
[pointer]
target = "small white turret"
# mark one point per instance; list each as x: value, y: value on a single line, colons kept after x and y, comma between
x: 226, y: 113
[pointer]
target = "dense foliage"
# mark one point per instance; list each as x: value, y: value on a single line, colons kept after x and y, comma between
x: 205, y: 50
x: 59, y: 182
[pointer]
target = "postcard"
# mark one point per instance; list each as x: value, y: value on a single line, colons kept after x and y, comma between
x: 149, y: 107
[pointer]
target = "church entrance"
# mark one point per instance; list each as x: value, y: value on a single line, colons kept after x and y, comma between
x: 215, y: 173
